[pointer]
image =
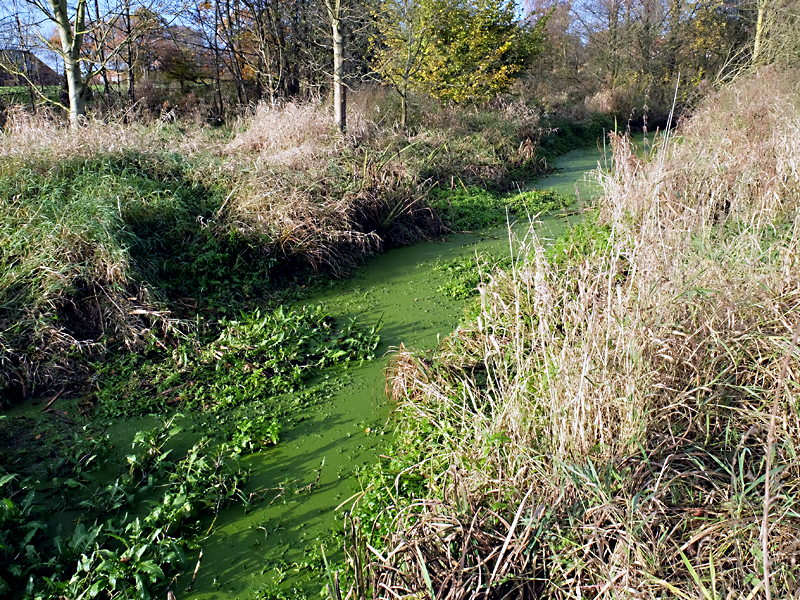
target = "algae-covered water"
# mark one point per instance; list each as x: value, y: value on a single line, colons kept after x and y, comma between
x: 335, y: 427
x: 275, y: 547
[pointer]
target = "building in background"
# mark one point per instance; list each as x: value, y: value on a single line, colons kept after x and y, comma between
x: 17, y: 65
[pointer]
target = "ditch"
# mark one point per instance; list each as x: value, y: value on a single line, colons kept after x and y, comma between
x: 268, y: 512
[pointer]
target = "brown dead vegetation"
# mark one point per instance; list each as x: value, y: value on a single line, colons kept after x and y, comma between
x: 621, y: 401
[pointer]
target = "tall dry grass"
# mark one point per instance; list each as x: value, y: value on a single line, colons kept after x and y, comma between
x: 605, y: 420
x: 43, y: 138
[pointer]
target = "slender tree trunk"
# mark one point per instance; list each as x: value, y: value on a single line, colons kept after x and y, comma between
x: 232, y: 29
x: 71, y: 42
x: 339, y: 90
x: 101, y: 52
x: 131, y: 70
x: 217, y: 62
x: 403, y: 110
x: 674, y: 37
x: 613, y: 41
x: 75, y: 87
x: 762, y: 9
x: 28, y: 70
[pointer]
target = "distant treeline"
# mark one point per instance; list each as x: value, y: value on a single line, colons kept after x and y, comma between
x: 629, y: 59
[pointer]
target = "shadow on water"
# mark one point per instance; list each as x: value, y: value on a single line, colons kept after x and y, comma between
x: 267, y: 546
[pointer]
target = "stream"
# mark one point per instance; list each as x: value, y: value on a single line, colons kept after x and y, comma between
x: 265, y: 552
x: 339, y: 424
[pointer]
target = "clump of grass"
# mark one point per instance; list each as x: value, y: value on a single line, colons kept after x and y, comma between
x: 290, y: 134
x: 607, y: 414
x: 40, y: 140
x: 94, y: 248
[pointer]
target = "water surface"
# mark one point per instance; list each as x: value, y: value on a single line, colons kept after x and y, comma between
x: 256, y: 554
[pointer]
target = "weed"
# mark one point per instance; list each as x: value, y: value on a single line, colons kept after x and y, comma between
x: 475, y: 209
x: 255, y: 433
x: 582, y: 240
x: 253, y: 357
x: 464, y: 274
x: 111, y: 549
x: 600, y: 427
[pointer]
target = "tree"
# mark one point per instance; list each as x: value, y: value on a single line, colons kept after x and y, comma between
x: 557, y: 77
x: 635, y: 50
x: 18, y: 65
x: 478, y: 49
x: 404, y: 32
x: 86, y: 43
x: 334, y: 9
x: 777, y: 32
x: 71, y: 30
x: 452, y: 49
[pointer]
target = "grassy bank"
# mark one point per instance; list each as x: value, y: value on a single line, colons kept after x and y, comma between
x: 118, y: 235
x: 145, y: 270
x: 621, y: 415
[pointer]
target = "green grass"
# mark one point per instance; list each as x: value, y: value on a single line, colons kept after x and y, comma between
x: 21, y: 95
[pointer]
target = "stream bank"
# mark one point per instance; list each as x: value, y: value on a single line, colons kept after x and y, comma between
x: 257, y: 558
x: 339, y: 424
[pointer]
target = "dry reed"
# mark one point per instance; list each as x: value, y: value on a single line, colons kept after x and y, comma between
x: 630, y: 390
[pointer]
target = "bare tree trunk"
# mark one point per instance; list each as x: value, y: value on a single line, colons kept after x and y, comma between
x: 404, y: 110
x: 100, y: 37
x: 762, y: 9
x: 77, y: 99
x: 71, y: 48
x: 217, y: 62
x: 232, y: 29
x: 28, y: 73
x: 131, y: 71
x: 339, y: 91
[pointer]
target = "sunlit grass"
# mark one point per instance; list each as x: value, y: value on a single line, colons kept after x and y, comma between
x: 601, y: 426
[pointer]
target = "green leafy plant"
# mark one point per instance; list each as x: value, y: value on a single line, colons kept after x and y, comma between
x: 255, y: 356
x: 20, y: 531
x: 475, y: 209
x: 464, y: 274
x: 253, y: 434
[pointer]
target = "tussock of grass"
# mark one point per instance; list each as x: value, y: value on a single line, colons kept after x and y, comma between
x: 605, y: 417
x: 38, y: 141
x: 98, y: 250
